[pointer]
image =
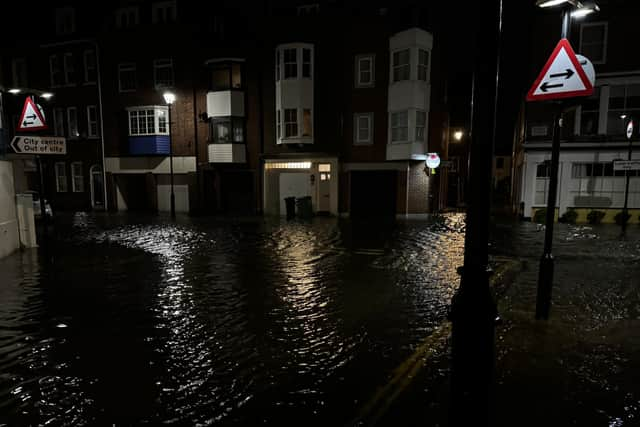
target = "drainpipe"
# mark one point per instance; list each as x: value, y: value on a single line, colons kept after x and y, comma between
x: 195, y: 138
x: 260, y: 186
x: 104, y: 169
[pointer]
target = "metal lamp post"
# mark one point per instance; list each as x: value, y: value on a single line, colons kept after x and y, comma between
x: 545, y: 275
x: 170, y: 98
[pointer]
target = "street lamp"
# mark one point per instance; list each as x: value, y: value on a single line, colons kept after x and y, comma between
x: 545, y: 274
x: 170, y: 98
x: 457, y: 135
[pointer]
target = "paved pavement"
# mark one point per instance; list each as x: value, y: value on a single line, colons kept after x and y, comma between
x: 579, y: 368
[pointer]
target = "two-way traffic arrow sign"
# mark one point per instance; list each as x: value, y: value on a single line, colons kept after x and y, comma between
x: 561, y: 77
x: 31, y: 118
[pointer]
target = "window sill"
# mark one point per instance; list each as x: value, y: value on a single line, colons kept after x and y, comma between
x: 89, y: 83
x: 365, y: 85
x: 362, y: 143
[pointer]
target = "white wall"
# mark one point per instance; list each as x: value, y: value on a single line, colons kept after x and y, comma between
x: 9, y: 237
x: 568, y: 186
x: 181, y: 193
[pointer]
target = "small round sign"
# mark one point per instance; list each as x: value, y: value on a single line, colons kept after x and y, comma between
x: 630, y: 129
x: 433, y: 160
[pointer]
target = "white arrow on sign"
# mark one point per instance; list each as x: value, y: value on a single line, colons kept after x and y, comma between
x: 561, y: 77
x: 39, y: 145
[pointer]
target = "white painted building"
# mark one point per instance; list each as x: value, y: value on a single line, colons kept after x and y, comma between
x: 592, y: 138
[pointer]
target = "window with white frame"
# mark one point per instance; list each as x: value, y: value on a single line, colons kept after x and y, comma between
x: 163, y: 73
x: 542, y: 183
x: 19, y: 72
x: 58, y: 121
x: 290, y: 63
x: 92, y: 121
x: 600, y: 181
x: 148, y: 121
x: 401, y: 65
x: 400, y: 126
x: 423, y: 65
x: 163, y: 12
x: 69, y: 69
x: 590, y: 113
x: 365, y: 70
x: 61, y: 177
x: 593, y: 41
x: 72, y: 122
x: 127, y: 17
x: 127, y: 77
x: 77, y: 177
x: 90, y: 70
x: 65, y: 21
x: 55, y: 71
x: 624, y: 101
x: 363, y: 128
x: 294, y: 62
x: 278, y: 125
x: 290, y: 123
x: 421, y: 122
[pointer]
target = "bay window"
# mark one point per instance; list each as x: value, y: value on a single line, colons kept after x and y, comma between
x: 148, y: 121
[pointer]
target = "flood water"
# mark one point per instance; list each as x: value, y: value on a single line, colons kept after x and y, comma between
x: 138, y: 320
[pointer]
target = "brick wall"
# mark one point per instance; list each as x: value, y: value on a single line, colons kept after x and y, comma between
x: 418, y: 188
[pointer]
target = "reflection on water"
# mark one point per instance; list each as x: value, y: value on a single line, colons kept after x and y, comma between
x: 134, y: 319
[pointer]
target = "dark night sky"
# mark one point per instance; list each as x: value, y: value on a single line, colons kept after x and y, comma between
x: 453, y: 28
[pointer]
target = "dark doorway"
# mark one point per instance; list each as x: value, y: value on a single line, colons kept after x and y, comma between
x: 373, y: 193
x: 138, y: 192
x: 236, y: 195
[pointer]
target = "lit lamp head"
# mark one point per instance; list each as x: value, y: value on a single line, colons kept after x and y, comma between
x: 169, y: 97
x: 14, y: 91
x: 457, y: 135
x: 46, y: 95
x: 552, y: 3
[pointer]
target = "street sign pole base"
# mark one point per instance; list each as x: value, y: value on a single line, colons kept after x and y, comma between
x: 545, y: 284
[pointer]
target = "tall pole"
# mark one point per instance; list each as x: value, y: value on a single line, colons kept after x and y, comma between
x: 545, y: 273
x: 172, y: 197
x: 625, y: 212
x: 473, y: 310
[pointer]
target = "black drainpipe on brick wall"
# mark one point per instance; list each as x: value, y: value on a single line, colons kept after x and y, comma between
x: 195, y: 144
x: 260, y: 188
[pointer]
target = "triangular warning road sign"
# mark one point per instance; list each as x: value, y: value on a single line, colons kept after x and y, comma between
x: 561, y: 77
x: 31, y: 117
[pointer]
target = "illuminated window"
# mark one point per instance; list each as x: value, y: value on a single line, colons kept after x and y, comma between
x: 324, y: 167
x: 306, y: 122
x: 288, y: 165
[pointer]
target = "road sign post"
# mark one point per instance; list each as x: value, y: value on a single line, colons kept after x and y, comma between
x: 625, y: 213
x: 563, y: 76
